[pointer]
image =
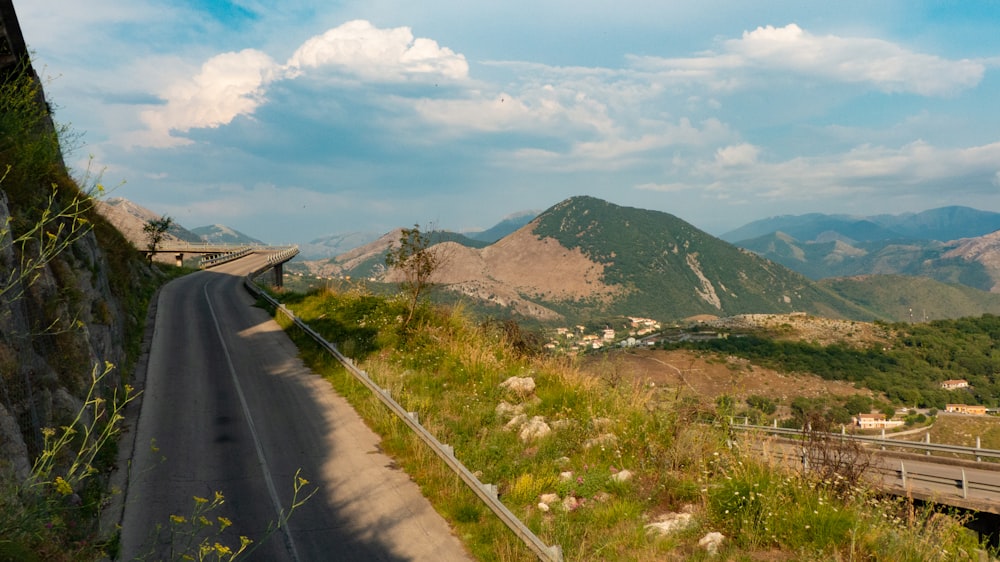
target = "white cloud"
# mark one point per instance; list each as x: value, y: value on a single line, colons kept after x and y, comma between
x: 360, y: 48
x: 663, y: 187
x: 907, y: 170
x: 228, y: 85
x: 888, y: 66
x: 232, y: 84
x: 737, y: 155
x: 885, y: 65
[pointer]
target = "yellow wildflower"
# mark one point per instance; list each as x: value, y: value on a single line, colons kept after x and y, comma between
x: 63, y: 486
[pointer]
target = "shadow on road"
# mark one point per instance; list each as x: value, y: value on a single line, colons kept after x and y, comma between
x: 225, y: 389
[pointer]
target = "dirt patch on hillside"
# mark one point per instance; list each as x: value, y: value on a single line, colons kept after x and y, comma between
x: 539, y: 268
x: 522, y: 271
x: 803, y: 327
x: 707, y: 376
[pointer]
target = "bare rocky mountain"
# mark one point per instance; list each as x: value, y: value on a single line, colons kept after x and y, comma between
x: 982, y: 250
x: 334, y: 245
x: 129, y: 218
x: 516, y: 273
x: 222, y: 234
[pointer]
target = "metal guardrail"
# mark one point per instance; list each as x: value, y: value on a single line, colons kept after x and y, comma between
x: 276, y: 254
x: 283, y: 255
x: 486, y: 492
x: 909, y: 479
x: 224, y: 257
x: 882, y: 442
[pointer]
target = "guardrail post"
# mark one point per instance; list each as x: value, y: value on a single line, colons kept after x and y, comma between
x: 927, y: 441
x: 965, y: 486
x: 902, y: 473
x: 775, y: 423
x: 978, y: 458
x: 883, y: 438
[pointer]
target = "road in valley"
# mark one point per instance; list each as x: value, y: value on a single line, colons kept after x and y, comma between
x: 228, y: 407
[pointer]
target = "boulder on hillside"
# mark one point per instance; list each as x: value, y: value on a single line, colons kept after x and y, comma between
x: 522, y: 386
x: 536, y: 428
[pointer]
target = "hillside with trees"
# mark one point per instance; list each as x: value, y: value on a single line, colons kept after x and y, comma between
x: 907, y: 367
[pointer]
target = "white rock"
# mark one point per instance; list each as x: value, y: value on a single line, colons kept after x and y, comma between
x: 534, y: 429
x: 711, y: 542
x: 521, y: 385
x: 570, y: 503
x: 603, y: 440
x: 670, y: 523
x: 549, y: 499
x: 516, y: 422
x: 506, y: 409
x: 542, y: 506
x: 622, y: 476
x: 565, y: 476
x: 602, y: 423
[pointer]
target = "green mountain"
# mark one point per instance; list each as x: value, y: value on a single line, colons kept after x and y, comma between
x: 916, y: 299
x: 667, y: 268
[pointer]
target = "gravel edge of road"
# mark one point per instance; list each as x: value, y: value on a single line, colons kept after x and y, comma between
x: 112, y: 516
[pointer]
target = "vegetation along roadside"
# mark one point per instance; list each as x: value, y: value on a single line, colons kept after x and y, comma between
x: 608, y: 469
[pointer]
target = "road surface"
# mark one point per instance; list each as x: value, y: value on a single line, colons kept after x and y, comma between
x: 228, y: 407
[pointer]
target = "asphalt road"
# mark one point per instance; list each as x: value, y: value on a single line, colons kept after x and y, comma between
x: 228, y: 407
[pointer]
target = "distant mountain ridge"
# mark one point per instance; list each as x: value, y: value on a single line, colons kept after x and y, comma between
x: 221, y: 234
x: 942, y: 224
x: 508, y: 225
x: 920, y: 244
x: 130, y: 218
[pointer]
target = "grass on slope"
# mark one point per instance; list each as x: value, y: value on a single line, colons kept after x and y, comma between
x: 450, y: 371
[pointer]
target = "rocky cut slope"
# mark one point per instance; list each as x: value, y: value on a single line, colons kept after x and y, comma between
x: 71, y: 287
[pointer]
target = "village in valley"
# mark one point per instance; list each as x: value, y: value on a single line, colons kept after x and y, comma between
x: 638, y: 331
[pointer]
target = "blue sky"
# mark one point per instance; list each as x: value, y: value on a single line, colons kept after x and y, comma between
x: 319, y: 117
